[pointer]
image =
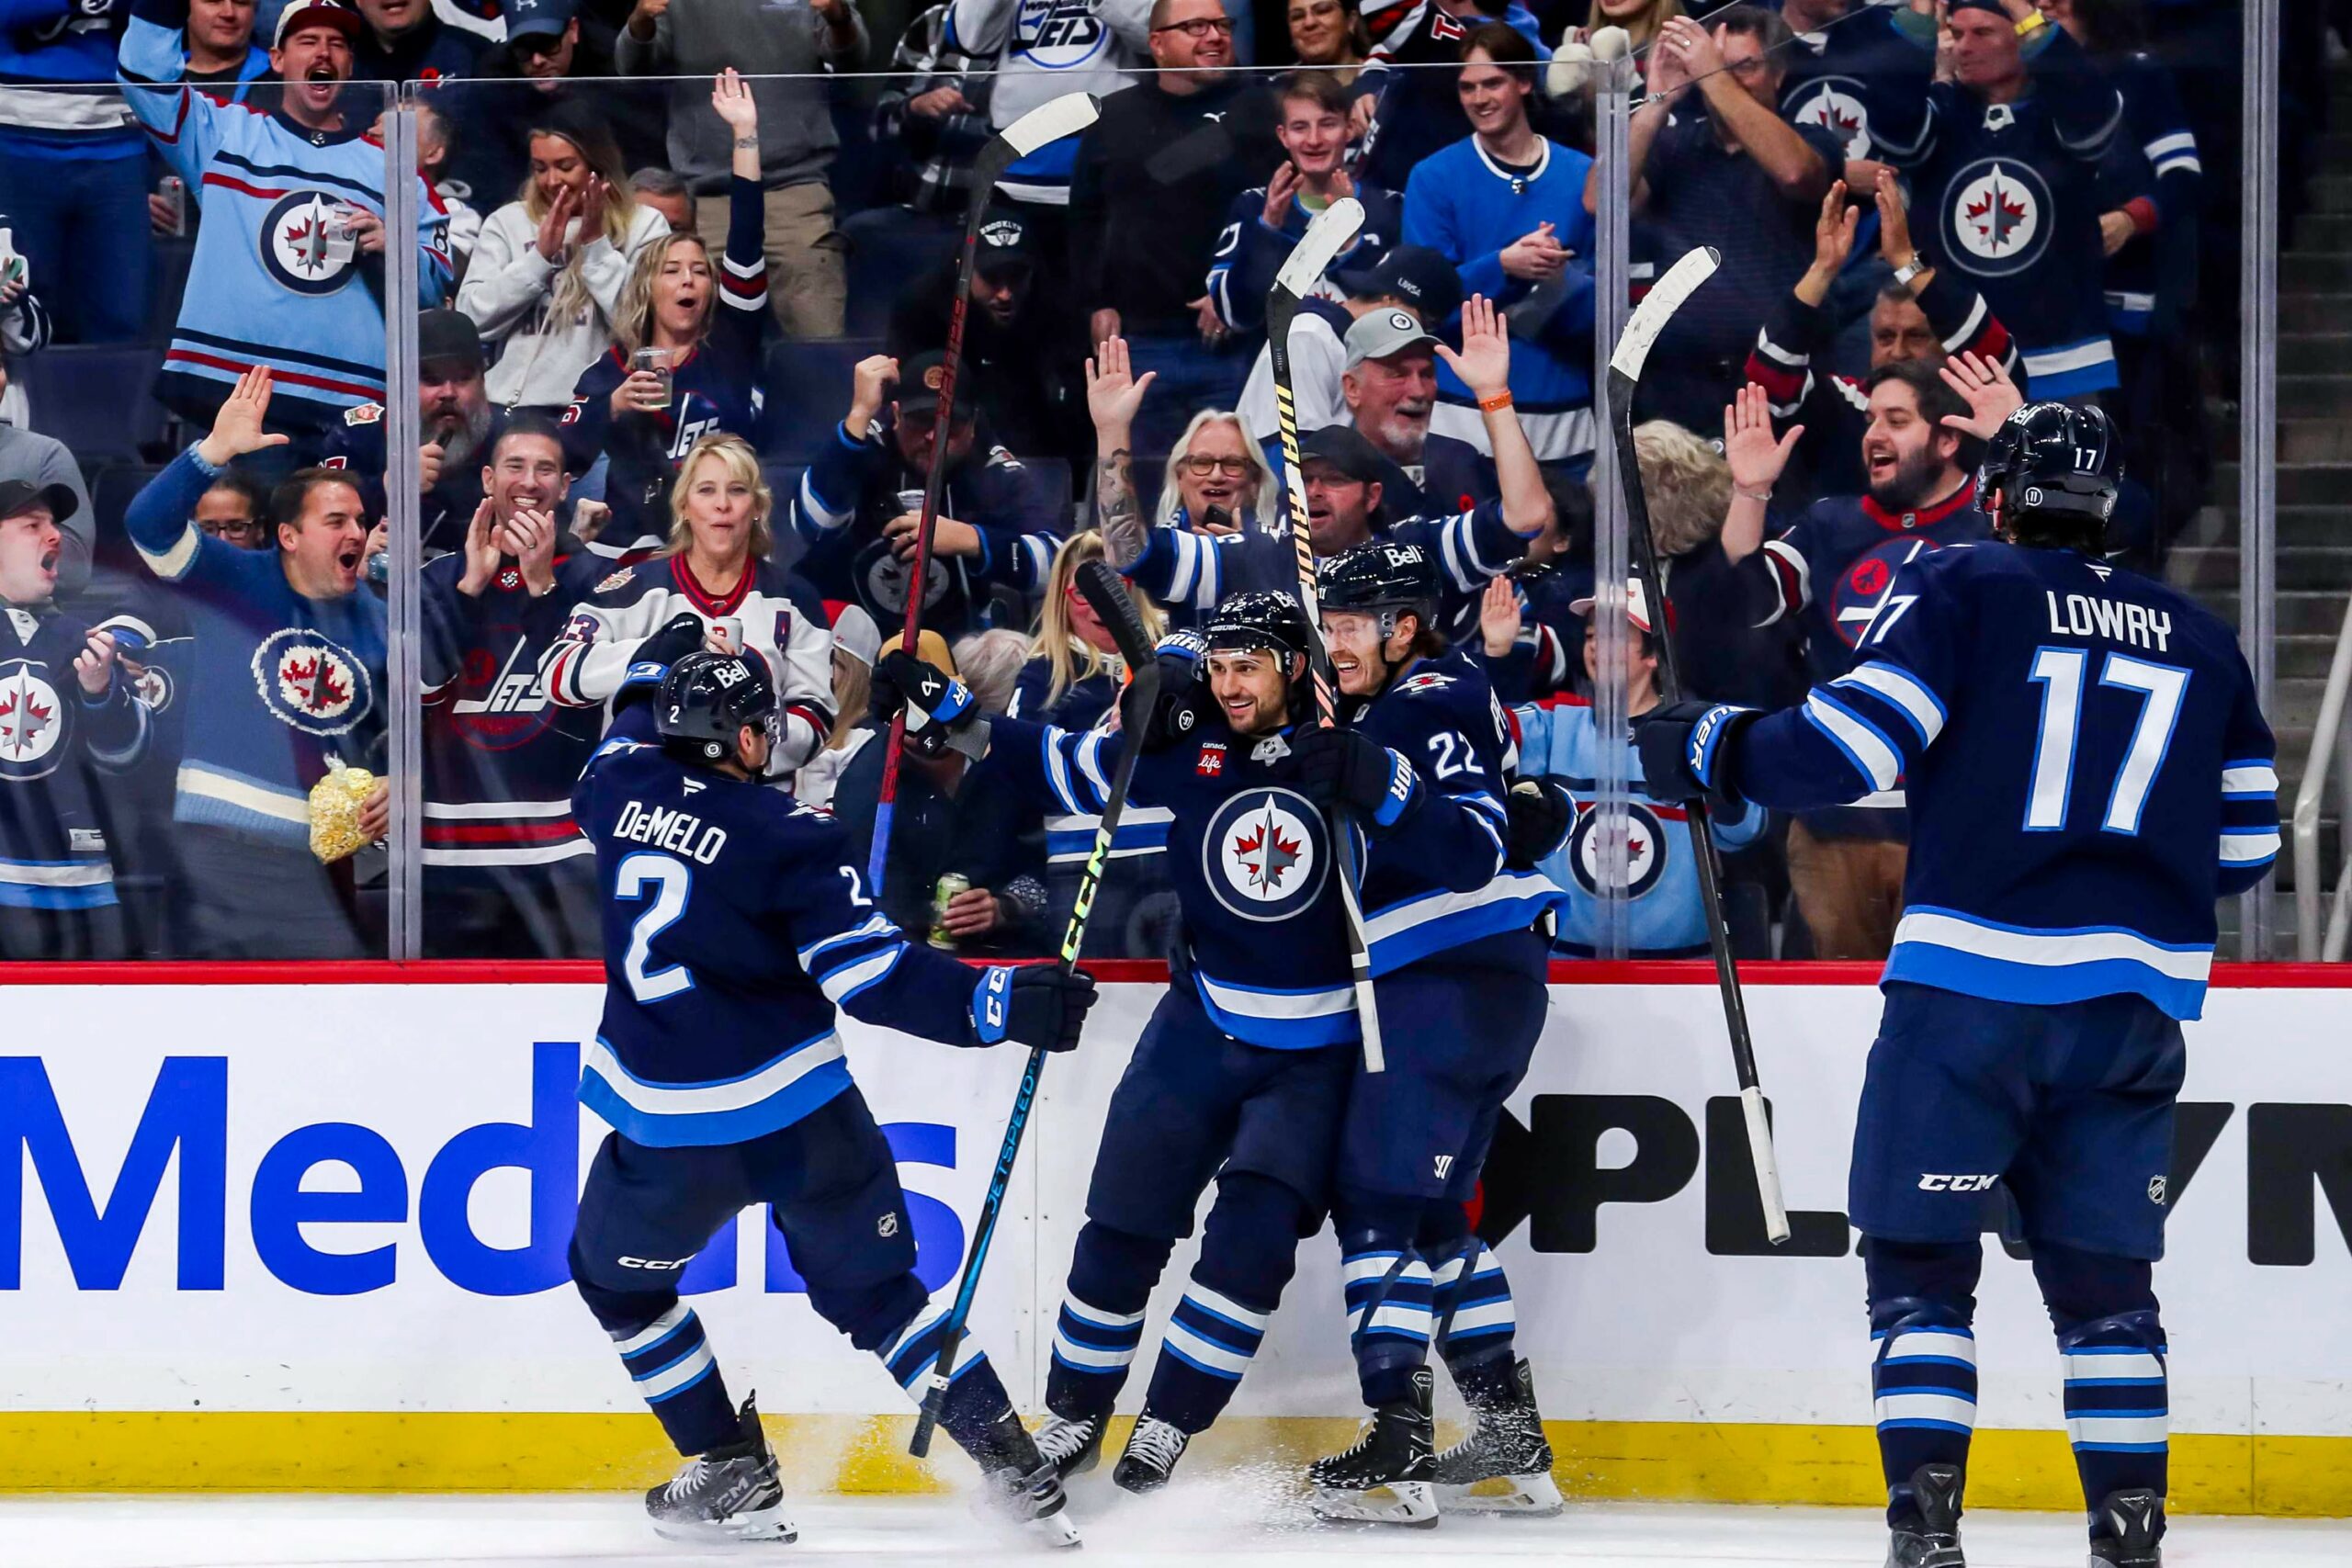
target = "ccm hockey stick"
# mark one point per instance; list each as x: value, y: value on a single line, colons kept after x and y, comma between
x: 1325, y: 237
x: 1649, y: 318
x: 1066, y: 116
x: 1102, y: 588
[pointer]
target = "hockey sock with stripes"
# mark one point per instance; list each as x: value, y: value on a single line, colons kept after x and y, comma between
x: 1473, y: 1319
x: 2111, y: 1346
x: 671, y: 1362
x: 1390, y: 1293
x: 1099, y: 1326
x: 1923, y: 1377
x: 1249, y: 1251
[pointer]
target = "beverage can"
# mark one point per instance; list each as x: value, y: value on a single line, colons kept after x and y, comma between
x: 656, y: 360
x: 174, y: 190
x: 950, y: 884
x: 728, y: 632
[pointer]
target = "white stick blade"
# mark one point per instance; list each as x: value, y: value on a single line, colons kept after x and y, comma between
x: 1333, y: 229
x: 1657, y: 307
x: 1066, y: 116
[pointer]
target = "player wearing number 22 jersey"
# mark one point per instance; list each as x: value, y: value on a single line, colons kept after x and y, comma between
x: 2088, y: 771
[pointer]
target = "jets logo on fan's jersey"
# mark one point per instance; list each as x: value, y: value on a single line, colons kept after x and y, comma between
x: 32, y: 721
x: 1058, y: 34
x: 886, y: 578
x: 1645, y: 849
x: 303, y: 246
x: 1999, y: 216
x: 1262, y: 855
x: 1865, y: 582
x: 1836, y: 105
x: 506, y: 703
x: 309, y: 683
x: 1427, y: 680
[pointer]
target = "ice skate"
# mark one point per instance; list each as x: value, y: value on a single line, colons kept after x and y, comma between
x: 1153, y: 1449
x: 727, y: 1494
x: 1018, y: 1485
x: 1073, y: 1447
x: 1388, y: 1477
x: 1504, y: 1466
x: 1930, y: 1536
x: 2132, y: 1520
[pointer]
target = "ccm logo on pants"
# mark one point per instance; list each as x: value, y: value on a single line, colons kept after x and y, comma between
x: 1957, y: 1183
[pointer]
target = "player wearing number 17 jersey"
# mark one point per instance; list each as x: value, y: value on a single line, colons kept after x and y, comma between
x: 735, y: 928
x: 2088, y: 771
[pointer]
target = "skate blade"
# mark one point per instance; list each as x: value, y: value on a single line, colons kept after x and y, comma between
x: 1055, y: 1529
x: 1409, y: 1503
x: 1058, y: 1531
x: 765, y: 1526
x: 1534, y: 1497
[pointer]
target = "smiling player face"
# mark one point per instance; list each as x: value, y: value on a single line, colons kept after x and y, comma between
x: 1249, y: 689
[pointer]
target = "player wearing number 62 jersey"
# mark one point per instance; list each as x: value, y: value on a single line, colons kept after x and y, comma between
x: 2088, y: 771
x: 735, y: 928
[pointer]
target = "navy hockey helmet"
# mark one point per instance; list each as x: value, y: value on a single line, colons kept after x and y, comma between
x: 1384, y: 577
x: 1255, y: 620
x: 708, y: 698
x: 2053, y: 470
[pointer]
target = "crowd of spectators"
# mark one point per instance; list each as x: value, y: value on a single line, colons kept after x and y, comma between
x: 685, y: 280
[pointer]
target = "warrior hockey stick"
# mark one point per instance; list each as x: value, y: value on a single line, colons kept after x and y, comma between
x: 1102, y: 588
x: 1325, y: 237
x: 1648, y: 320
x: 1066, y: 116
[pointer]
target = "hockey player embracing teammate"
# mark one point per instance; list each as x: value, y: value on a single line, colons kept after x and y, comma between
x: 2088, y: 771
x: 735, y: 919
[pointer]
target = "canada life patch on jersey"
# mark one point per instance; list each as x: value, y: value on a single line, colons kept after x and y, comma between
x: 1210, y: 765
x: 1645, y: 849
x: 1836, y: 106
x: 314, y: 684
x: 1999, y: 216
x: 300, y: 245
x: 1262, y: 855
x: 1057, y: 35
x: 32, y: 721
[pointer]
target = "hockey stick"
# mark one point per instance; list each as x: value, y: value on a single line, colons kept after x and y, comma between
x: 1648, y: 320
x: 1107, y: 596
x: 1325, y: 237
x: 1065, y: 116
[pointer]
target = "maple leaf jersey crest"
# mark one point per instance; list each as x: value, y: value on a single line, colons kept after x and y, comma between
x: 303, y: 246
x: 1646, y: 850
x: 1835, y: 104
x: 1999, y: 218
x: 310, y: 683
x: 32, y: 721
x: 1263, y: 855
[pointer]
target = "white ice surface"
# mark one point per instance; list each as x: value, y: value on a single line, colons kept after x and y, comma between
x: 1223, y: 1523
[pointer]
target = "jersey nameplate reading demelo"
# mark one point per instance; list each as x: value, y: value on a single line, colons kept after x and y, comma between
x: 681, y: 832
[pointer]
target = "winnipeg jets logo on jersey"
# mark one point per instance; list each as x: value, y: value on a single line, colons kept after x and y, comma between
x: 1999, y: 216
x: 309, y: 683
x: 1836, y: 105
x: 1863, y: 586
x: 1262, y: 855
x: 31, y: 721
x: 887, y: 577
x: 302, y: 243
x: 1645, y: 849
x: 1427, y: 680
x: 1058, y: 34
x: 506, y: 703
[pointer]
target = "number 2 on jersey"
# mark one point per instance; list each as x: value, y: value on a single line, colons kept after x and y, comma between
x: 2059, y: 673
x: 669, y: 882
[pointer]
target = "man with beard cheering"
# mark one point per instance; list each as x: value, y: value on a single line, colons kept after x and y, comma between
x: 1835, y: 566
x: 454, y: 412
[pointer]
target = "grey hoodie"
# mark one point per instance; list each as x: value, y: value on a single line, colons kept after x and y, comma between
x: 697, y: 39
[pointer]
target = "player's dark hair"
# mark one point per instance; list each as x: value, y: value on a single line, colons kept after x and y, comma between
x: 1935, y: 401
x: 1769, y: 29
x: 245, y: 488
x: 1504, y: 45
x: 292, y: 495
x: 1320, y: 89
x: 527, y: 422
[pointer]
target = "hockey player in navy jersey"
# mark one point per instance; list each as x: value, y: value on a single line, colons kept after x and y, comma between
x: 2087, y: 772
x: 1241, y: 1075
x: 736, y: 930
x: 289, y: 261
x: 1455, y: 926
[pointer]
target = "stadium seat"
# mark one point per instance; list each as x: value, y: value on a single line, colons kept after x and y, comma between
x: 98, y: 399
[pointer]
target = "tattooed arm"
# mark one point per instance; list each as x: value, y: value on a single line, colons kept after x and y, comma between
x: 1113, y: 395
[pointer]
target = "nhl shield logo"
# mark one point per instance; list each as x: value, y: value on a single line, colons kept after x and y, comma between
x: 1835, y: 104
x: 311, y: 683
x: 2156, y: 1190
x: 1262, y: 855
x: 1999, y: 216
x: 31, y: 721
x: 303, y: 246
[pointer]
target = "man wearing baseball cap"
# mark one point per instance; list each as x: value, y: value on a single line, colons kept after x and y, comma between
x: 1413, y: 278
x: 1390, y: 386
x: 458, y: 422
x: 64, y: 710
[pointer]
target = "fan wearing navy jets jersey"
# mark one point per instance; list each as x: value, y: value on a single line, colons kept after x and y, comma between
x: 1835, y: 567
x: 1845, y: 56
x: 2089, y: 771
x: 1458, y: 958
x: 736, y: 932
x: 1241, y: 1073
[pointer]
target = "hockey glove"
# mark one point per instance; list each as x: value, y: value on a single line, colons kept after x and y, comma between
x: 1686, y: 749
x: 941, y: 710
x: 683, y: 635
x: 1176, y: 710
x: 1341, y: 768
x: 1036, y: 1004
x: 1541, y: 813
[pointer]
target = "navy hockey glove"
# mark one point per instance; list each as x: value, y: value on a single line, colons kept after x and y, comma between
x: 938, y: 707
x: 1176, y: 710
x: 1686, y: 749
x: 1541, y: 813
x: 683, y: 635
x: 1034, y: 1005
x: 1339, y: 767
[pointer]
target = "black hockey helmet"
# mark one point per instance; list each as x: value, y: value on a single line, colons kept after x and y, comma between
x: 1246, y: 622
x: 1382, y: 577
x: 2053, y: 469
x: 707, y: 698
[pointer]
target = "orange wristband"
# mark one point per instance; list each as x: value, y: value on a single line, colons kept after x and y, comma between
x: 1489, y: 405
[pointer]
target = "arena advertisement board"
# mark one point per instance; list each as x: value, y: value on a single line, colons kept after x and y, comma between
x: 234, y: 1215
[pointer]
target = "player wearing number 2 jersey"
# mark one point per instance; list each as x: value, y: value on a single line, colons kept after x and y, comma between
x: 2088, y: 771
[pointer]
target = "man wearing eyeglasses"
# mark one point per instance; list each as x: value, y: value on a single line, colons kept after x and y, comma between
x: 1155, y: 177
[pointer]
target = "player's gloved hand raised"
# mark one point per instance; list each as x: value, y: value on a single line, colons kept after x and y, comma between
x: 1686, y: 749
x: 683, y: 635
x: 928, y: 694
x: 1036, y: 1004
x: 1540, y: 812
x: 1176, y: 710
x: 1337, y: 767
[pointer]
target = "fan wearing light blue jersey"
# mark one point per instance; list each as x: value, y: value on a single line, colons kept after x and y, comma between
x: 2087, y: 770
